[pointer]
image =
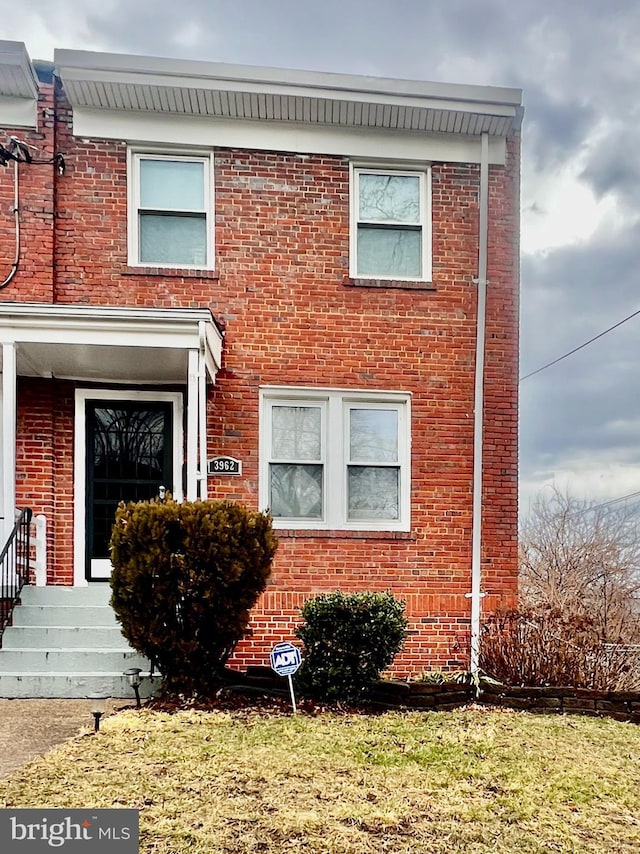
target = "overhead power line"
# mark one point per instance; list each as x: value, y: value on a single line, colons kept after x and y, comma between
x: 581, y: 346
x: 608, y: 503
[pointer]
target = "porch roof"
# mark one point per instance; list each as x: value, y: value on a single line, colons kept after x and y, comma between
x: 109, y: 344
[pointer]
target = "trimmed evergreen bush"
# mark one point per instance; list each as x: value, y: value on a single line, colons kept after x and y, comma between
x: 185, y: 577
x: 349, y: 639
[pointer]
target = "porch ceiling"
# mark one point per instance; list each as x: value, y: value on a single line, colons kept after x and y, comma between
x: 109, y: 344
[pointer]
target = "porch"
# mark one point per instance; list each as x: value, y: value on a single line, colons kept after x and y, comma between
x: 115, y: 359
x: 125, y: 366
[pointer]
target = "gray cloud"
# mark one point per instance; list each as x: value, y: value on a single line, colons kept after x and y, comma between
x: 613, y: 166
x: 591, y: 401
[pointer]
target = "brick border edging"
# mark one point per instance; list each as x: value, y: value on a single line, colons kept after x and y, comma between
x: 426, y: 696
x: 388, y: 693
x: 620, y: 705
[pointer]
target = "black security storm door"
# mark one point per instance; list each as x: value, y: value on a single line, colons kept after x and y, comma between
x: 129, y: 457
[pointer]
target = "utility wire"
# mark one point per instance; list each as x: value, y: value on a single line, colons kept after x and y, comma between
x: 581, y: 346
x: 611, y: 501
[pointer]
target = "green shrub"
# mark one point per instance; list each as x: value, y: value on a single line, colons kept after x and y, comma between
x: 185, y: 577
x: 349, y: 638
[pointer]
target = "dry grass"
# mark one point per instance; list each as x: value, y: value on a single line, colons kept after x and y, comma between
x: 467, y: 781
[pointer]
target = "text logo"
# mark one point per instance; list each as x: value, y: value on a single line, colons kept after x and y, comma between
x: 285, y: 659
x: 32, y: 831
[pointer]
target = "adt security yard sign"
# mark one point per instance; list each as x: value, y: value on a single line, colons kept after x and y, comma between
x: 285, y: 660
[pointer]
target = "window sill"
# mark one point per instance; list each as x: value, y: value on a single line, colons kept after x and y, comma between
x: 310, y: 533
x: 171, y: 272
x: 398, y: 284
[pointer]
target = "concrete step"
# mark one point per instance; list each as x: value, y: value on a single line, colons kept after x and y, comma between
x: 64, y: 615
x: 70, y: 660
x: 66, y: 642
x: 64, y: 637
x: 93, y: 594
x: 72, y: 685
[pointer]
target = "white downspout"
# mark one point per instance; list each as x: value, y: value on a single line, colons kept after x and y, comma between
x: 478, y: 423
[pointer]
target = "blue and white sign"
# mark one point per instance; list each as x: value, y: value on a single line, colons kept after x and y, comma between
x: 285, y: 659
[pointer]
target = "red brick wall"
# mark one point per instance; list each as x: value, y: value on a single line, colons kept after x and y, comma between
x: 292, y: 318
x: 34, y: 280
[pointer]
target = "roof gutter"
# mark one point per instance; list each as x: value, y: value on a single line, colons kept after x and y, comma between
x: 478, y: 426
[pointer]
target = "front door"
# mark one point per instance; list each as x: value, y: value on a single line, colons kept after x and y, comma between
x: 129, y: 457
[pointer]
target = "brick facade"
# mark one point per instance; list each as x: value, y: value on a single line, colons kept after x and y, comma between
x: 292, y: 317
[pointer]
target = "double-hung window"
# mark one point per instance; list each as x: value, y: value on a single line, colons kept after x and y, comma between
x: 335, y: 459
x: 170, y: 213
x: 390, y: 224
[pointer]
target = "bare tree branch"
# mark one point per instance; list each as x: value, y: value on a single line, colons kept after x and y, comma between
x: 582, y: 558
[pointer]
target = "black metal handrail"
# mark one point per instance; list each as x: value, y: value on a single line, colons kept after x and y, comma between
x: 14, y: 566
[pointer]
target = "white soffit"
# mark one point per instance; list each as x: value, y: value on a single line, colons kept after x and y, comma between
x: 95, y: 81
x: 18, y: 87
x: 109, y: 344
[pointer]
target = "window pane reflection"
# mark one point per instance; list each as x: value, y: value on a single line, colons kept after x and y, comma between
x: 295, y: 491
x: 373, y: 492
x: 373, y: 435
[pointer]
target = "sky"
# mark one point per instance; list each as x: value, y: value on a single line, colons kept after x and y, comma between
x: 578, y: 63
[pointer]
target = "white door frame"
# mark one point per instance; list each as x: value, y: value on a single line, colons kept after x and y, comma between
x: 8, y: 410
x: 80, y: 459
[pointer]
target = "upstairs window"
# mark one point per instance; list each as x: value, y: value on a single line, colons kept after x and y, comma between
x: 171, y: 219
x: 390, y: 225
x: 335, y: 460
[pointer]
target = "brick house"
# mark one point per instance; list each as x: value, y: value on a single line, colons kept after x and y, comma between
x: 287, y: 269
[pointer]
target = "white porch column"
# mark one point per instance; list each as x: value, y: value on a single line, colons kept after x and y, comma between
x: 192, y: 426
x: 202, y: 416
x: 9, y: 407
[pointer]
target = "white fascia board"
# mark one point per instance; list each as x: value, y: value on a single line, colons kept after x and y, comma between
x: 37, y: 323
x: 212, y: 349
x: 59, y: 312
x: 18, y: 113
x: 394, y: 99
x: 169, y: 72
x: 199, y: 132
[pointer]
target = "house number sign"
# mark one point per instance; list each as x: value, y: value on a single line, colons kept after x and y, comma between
x: 224, y: 465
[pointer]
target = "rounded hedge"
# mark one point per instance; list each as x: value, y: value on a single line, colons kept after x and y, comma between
x: 349, y: 639
x: 185, y: 577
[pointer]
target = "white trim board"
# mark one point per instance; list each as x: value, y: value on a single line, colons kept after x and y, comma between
x: 18, y: 112
x: 197, y: 132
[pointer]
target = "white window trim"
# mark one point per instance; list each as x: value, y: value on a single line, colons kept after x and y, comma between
x: 424, y: 174
x: 134, y: 156
x: 336, y: 403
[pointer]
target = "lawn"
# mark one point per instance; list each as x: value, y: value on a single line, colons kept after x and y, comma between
x: 467, y: 781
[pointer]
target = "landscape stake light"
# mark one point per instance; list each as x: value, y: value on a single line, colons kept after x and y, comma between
x: 98, y: 708
x: 133, y: 675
